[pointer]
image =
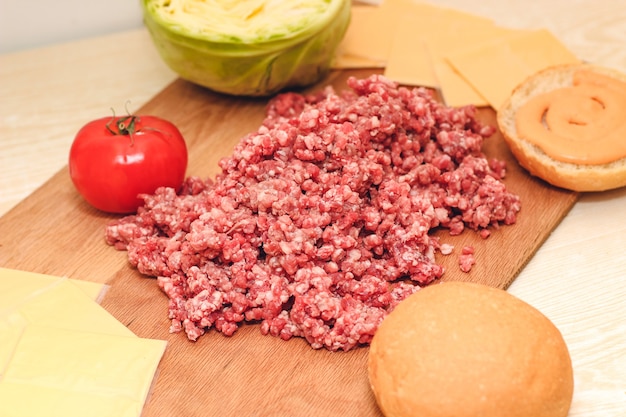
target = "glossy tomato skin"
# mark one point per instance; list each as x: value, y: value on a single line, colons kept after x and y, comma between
x: 110, y: 166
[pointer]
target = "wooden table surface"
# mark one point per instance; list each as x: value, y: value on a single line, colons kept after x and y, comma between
x: 577, y: 278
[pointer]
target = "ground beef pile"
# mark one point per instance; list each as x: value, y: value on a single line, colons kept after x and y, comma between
x: 320, y: 221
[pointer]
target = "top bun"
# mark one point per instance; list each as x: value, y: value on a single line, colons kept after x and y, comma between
x: 460, y: 349
x: 575, y: 176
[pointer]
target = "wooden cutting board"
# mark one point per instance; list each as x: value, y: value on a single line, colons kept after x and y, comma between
x: 54, y: 231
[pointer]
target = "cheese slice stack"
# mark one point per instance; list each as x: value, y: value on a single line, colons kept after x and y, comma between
x: 62, y: 354
x: 469, y: 59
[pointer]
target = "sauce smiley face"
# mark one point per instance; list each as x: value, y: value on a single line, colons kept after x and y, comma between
x: 581, y: 124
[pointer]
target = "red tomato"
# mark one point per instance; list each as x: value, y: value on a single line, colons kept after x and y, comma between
x: 114, y: 159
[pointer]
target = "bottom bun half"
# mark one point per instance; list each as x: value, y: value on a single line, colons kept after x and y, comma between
x: 573, y: 176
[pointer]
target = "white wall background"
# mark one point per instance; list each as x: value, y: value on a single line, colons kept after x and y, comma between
x: 27, y: 24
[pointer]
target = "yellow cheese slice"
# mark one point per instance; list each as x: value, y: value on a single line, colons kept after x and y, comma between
x: 369, y: 34
x: 31, y: 298
x: 455, y: 91
x: 441, y: 32
x: 410, y: 63
x: 468, y: 58
x: 346, y: 61
x: 62, y: 372
x: 16, y: 285
x: 411, y: 39
x: 428, y: 17
x: 11, y: 327
x: 61, y: 306
x: 93, y: 290
x: 373, y: 31
x: 496, y: 67
x: 62, y: 354
x: 53, y: 301
x: 65, y: 305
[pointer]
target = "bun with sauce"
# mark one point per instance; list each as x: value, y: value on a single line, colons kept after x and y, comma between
x: 460, y: 349
x: 567, y: 125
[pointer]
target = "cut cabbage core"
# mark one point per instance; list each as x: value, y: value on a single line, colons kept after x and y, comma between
x: 244, y: 21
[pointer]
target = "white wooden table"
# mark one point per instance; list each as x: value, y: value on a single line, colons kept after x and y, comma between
x: 577, y: 278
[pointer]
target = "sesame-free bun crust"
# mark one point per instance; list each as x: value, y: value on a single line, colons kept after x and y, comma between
x: 561, y: 174
x: 460, y: 349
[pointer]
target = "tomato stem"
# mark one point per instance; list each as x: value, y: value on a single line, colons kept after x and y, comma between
x: 124, y: 126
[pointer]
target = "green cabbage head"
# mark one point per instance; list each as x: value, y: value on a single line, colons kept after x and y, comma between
x: 247, y: 47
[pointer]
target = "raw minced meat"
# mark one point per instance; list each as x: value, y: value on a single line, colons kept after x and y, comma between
x: 320, y: 222
x: 467, y: 258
